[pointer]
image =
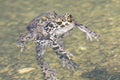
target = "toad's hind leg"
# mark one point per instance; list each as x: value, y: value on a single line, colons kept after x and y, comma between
x: 61, y: 43
x: 65, y: 57
x: 48, y: 73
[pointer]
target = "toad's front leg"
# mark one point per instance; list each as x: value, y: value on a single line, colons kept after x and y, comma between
x: 23, y: 39
x: 29, y: 36
x: 89, y: 34
x: 64, y: 56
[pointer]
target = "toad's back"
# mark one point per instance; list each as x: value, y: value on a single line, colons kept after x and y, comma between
x: 42, y: 19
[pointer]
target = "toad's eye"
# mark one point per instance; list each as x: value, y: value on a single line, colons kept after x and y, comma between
x: 69, y: 18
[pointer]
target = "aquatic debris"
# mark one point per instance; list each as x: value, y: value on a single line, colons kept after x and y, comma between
x: 25, y: 70
x: 83, y: 48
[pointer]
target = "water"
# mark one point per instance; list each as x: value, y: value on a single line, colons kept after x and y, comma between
x: 96, y: 60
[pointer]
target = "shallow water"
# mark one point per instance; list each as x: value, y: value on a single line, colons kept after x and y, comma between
x: 97, y: 60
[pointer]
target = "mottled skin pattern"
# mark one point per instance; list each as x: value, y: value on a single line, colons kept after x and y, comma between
x: 49, y: 30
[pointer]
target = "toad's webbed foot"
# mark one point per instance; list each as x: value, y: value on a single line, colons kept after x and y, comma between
x: 48, y: 73
x: 68, y: 63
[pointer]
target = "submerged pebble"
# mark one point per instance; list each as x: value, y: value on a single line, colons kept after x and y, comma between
x: 25, y: 70
x: 83, y: 48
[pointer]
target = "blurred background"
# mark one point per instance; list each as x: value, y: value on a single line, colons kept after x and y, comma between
x: 97, y: 60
